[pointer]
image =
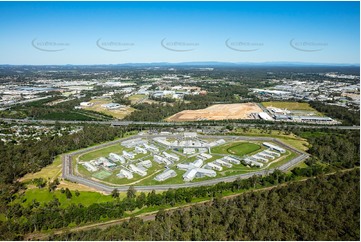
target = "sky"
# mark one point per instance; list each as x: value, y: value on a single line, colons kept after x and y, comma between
x: 56, y: 33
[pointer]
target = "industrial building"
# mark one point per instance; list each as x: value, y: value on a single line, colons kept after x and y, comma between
x: 112, y: 106
x: 265, y: 116
x: 165, y: 175
x: 274, y: 147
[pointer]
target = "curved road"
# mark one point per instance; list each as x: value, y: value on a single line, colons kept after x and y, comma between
x: 68, y: 171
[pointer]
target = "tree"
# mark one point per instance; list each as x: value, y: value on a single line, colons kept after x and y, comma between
x: 68, y: 193
x: 115, y: 193
x: 131, y: 192
x: 77, y: 193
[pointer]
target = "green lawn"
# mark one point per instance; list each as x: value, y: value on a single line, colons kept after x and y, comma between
x: 43, y: 196
x: 236, y: 148
x: 289, y: 105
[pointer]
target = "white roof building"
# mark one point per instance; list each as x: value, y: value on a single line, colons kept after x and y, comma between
x: 125, y: 174
x: 222, y: 163
x: 171, y: 156
x: 265, y: 116
x: 128, y: 155
x: 165, y: 175
x: 140, y: 150
x: 151, y: 148
x: 90, y: 167
x: 213, y: 166
x: 116, y: 157
x: 231, y: 160
x: 272, y: 153
x: 198, y: 172
x: 137, y: 170
x: 274, y: 147
x: 134, y: 142
x: 145, y: 163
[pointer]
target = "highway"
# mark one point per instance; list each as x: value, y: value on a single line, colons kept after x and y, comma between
x: 126, y: 123
x: 68, y: 171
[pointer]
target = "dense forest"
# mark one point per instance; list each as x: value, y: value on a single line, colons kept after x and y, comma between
x: 331, y: 150
x: 323, y: 208
x: 22, y: 220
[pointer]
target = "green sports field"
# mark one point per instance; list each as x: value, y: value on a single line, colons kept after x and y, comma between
x: 236, y: 148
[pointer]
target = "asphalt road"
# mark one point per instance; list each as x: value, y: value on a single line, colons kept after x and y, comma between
x: 126, y: 123
x: 68, y: 171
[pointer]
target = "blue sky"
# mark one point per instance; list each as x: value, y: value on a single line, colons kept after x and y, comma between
x: 132, y: 32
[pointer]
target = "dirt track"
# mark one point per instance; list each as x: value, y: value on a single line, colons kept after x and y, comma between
x: 218, y: 112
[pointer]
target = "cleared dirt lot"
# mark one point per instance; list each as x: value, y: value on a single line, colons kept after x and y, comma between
x: 116, y: 113
x: 217, y: 112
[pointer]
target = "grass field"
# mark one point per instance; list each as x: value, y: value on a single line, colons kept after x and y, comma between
x: 289, y: 105
x: 43, y: 196
x: 51, y: 171
x: 136, y: 98
x: 291, y: 139
x: 236, y: 148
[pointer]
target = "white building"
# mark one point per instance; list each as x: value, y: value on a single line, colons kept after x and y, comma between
x: 151, y: 148
x: 137, y: 170
x: 171, y: 156
x: 205, y: 156
x: 250, y: 162
x: 189, y: 151
x: 265, y: 116
x: 90, y: 167
x: 259, y: 158
x: 197, y: 163
x: 165, y: 175
x: 160, y: 159
x: 213, y: 166
x: 140, y: 150
x: 86, y: 104
x: 198, y: 172
x: 128, y: 155
x: 145, y: 163
x: 274, y: 147
x: 272, y: 153
x: 116, y: 158
x: 134, y: 142
x: 112, y: 106
x: 231, y: 160
x: 190, y: 134
x: 125, y: 174
x: 221, y: 162
x: 184, y: 167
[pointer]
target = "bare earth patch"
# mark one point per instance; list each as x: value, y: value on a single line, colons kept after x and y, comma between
x: 218, y: 112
